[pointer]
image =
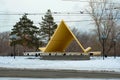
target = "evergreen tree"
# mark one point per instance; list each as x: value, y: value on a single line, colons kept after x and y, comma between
x: 26, y: 33
x: 47, y: 26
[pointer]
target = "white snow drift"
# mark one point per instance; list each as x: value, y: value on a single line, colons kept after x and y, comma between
x: 95, y: 64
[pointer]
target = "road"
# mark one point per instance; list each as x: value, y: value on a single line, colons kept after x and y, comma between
x: 48, y: 73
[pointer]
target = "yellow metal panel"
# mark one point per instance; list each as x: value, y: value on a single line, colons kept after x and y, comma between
x: 42, y: 49
x: 75, y: 37
x: 61, y: 38
x: 87, y: 50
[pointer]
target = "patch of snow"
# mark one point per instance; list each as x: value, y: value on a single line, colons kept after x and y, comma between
x: 53, y: 79
x: 95, y: 64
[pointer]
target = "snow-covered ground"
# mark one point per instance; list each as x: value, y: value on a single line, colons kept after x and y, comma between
x: 53, y: 79
x: 95, y: 64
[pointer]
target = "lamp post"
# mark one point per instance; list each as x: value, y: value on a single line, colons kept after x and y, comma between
x: 114, y: 43
x: 14, y: 47
x: 103, y: 44
x: 13, y: 38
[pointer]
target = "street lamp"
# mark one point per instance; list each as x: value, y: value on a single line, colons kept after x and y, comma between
x: 103, y: 44
x: 13, y: 38
x: 114, y: 43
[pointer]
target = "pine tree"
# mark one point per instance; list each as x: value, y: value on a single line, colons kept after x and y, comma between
x: 26, y: 33
x: 47, y: 26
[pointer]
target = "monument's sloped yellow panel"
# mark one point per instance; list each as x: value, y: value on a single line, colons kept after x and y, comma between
x: 61, y: 39
x: 42, y: 48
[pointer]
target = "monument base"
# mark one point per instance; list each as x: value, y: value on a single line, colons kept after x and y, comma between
x: 64, y: 56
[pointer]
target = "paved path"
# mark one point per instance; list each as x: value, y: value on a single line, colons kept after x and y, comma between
x: 44, y: 73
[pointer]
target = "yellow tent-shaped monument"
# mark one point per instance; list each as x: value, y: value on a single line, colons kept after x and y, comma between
x: 61, y: 39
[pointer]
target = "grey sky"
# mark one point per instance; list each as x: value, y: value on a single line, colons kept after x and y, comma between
x: 38, y: 6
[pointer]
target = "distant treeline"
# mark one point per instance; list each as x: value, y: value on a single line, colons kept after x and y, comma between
x: 86, y: 40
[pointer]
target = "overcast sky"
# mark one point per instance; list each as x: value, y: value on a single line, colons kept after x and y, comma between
x: 41, y: 6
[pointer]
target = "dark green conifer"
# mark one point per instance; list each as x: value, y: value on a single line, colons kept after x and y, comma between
x: 47, y: 26
x: 25, y: 33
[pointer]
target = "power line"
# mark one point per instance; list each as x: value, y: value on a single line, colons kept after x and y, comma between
x: 54, y: 13
x: 76, y: 0
x: 74, y: 13
x: 92, y: 1
x: 68, y: 21
x: 10, y: 14
x: 75, y: 21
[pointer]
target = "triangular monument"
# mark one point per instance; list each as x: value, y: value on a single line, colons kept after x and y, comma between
x: 61, y: 39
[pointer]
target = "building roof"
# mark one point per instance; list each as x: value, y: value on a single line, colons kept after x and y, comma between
x: 61, y: 39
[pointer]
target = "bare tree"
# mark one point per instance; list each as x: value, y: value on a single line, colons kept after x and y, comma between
x: 6, y: 49
x: 74, y: 47
x: 105, y: 17
x: 84, y: 39
x: 4, y: 43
